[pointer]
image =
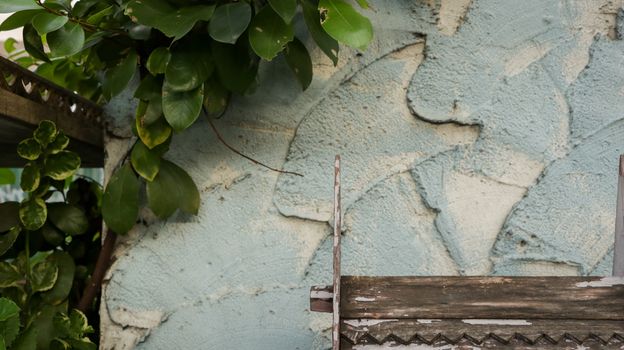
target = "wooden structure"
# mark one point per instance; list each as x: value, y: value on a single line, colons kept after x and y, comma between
x: 474, y: 312
x: 26, y: 99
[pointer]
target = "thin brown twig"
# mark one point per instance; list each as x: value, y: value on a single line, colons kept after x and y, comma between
x: 102, y: 264
x: 87, y: 26
x: 245, y: 156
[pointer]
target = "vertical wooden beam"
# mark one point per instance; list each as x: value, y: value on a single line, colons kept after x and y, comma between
x: 336, y: 282
x: 618, y: 252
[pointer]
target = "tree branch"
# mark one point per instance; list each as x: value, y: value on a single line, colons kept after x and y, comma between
x: 102, y: 264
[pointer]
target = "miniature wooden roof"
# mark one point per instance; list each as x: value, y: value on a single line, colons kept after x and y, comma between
x: 26, y: 99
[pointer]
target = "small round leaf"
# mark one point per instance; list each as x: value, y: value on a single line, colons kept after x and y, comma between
x: 68, y: 218
x: 30, y: 178
x: 45, y: 132
x: 48, y: 22
x: 229, y: 22
x: 33, y: 213
x: 158, y: 60
x: 268, y: 33
x: 345, y: 24
x: 29, y: 149
x: 43, y: 276
x: 120, y: 202
x: 67, y: 40
x: 181, y: 109
x: 61, y: 165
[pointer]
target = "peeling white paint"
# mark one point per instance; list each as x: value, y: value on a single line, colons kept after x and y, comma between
x: 321, y: 294
x: 365, y: 322
x: 603, y: 282
x: 428, y: 320
x: 364, y: 299
x: 497, y: 322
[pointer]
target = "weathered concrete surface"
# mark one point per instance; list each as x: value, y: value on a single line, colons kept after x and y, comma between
x: 478, y: 137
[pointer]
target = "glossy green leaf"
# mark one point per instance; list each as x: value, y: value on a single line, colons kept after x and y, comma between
x: 153, y: 111
x: 363, y: 3
x: 9, y: 215
x: 60, y: 143
x: 299, y: 60
x: 149, y: 88
x: 10, y: 45
x: 43, y: 276
x: 97, y: 17
x: 33, y: 44
x: 61, y: 165
x: 120, y: 202
x: 7, y: 176
x: 19, y: 19
x: 10, y: 275
x: 229, y: 22
x: 158, y: 60
x: 117, y: 78
x: 188, y: 67
x: 48, y: 22
x: 343, y: 23
x: 163, y: 200
x: 45, y: 133
x: 8, y: 6
x: 285, y: 8
x: 146, y: 162
x: 68, y: 218
x: 153, y: 134
x: 66, y: 41
x: 9, y: 321
x: 33, y: 213
x: 65, y: 279
x: 174, y: 23
x: 216, y: 98
x: 8, y: 239
x: 236, y: 67
x: 268, y: 33
x: 30, y: 177
x: 29, y: 149
x: 181, y: 109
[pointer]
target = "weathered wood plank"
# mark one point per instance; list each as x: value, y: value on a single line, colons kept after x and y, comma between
x: 337, y: 254
x: 485, y: 333
x: 584, y: 298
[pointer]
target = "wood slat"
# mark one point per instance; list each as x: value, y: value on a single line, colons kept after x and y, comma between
x: 583, y: 298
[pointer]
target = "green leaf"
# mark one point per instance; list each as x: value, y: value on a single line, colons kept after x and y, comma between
x: 97, y: 17
x: 229, y: 22
x: 19, y: 19
x: 158, y: 60
x: 285, y: 8
x: 45, y: 132
x: 33, y: 213
x: 60, y: 143
x: 343, y: 23
x: 33, y: 43
x: 43, y: 322
x: 66, y: 41
x: 9, y: 321
x: 299, y: 60
x: 65, y: 280
x: 120, y: 202
x: 47, y: 22
x: 43, y: 276
x: 153, y: 134
x: 7, y: 240
x: 7, y: 177
x: 216, y: 98
x: 27, y: 340
x: 146, y: 162
x: 8, y: 6
x: 8, y: 309
x: 52, y: 235
x: 153, y: 112
x: 236, y: 67
x: 117, y: 78
x: 68, y: 218
x: 149, y: 88
x: 9, y: 45
x: 10, y: 275
x: 268, y: 33
x: 79, y: 324
x: 171, y: 189
x: 181, y: 109
x: 174, y: 23
x: 30, y: 177
x: 61, y: 165
x: 189, y: 67
x: 9, y: 215
x: 29, y: 149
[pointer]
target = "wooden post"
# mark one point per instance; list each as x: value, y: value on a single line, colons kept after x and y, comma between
x: 336, y: 282
x: 618, y: 251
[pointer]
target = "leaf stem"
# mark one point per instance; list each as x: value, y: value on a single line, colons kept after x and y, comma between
x: 245, y: 156
x: 87, y: 26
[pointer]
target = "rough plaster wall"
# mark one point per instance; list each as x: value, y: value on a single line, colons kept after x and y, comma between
x: 478, y: 137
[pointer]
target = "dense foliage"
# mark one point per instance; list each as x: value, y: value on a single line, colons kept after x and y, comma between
x: 190, y: 56
x: 48, y: 246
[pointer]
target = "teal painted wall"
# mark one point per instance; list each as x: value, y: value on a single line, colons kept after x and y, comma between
x: 478, y: 137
